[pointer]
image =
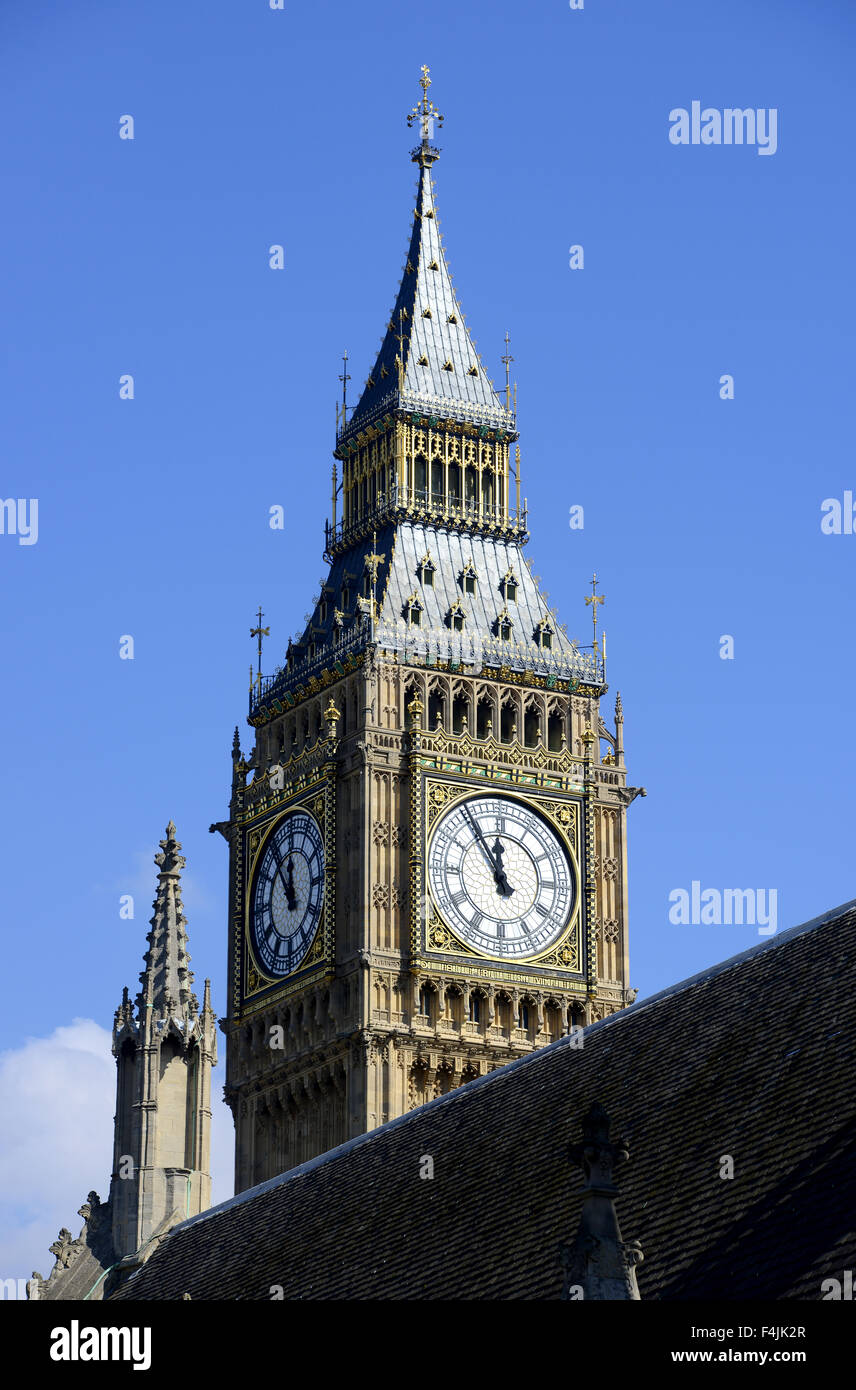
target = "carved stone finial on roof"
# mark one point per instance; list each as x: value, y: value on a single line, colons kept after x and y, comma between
x: 170, y: 860
x: 599, y: 1265
x: 62, y: 1248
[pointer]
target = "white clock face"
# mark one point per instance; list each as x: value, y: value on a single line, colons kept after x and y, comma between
x: 501, y: 877
x: 288, y: 894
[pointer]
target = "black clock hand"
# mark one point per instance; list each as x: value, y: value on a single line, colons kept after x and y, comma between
x: 291, y: 896
x: 481, y: 839
x: 288, y: 884
x: 502, y: 884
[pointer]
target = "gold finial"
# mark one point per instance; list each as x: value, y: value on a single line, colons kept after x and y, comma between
x: 414, y: 709
x: 331, y: 715
x: 594, y: 598
x: 259, y: 632
x: 373, y: 563
x: 425, y: 111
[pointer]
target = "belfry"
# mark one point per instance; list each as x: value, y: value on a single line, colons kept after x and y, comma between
x: 427, y: 840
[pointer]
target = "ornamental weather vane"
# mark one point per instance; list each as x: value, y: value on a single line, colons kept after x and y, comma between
x: 261, y: 633
x: 425, y: 111
x: 594, y: 598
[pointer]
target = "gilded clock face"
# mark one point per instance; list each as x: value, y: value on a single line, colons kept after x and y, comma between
x: 288, y: 894
x: 501, y: 877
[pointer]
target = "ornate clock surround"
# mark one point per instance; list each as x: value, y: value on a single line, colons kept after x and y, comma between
x: 433, y: 944
x: 257, y: 989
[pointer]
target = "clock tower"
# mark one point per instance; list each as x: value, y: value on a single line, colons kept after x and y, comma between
x: 427, y: 841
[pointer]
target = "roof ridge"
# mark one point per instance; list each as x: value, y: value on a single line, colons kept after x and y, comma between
x: 731, y: 962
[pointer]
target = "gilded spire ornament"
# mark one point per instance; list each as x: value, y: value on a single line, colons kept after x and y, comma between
x: 594, y: 598
x: 426, y: 113
x: 260, y: 632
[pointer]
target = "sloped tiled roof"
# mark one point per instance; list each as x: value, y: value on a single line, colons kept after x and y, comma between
x: 752, y: 1058
x: 403, y: 547
x: 441, y: 362
x: 491, y: 558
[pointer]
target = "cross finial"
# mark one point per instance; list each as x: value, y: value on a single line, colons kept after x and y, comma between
x: 425, y: 112
x: 594, y: 598
x: 260, y: 632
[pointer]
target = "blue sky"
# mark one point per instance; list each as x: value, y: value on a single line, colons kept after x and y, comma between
x: 702, y: 516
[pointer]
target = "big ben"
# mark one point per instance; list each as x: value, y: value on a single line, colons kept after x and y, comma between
x: 427, y: 841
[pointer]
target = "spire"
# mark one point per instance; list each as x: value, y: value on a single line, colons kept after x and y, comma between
x: 600, y: 1265
x: 164, y: 1057
x: 166, y: 980
x: 428, y: 361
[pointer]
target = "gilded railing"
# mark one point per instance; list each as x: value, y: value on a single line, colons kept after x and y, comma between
x: 430, y: 646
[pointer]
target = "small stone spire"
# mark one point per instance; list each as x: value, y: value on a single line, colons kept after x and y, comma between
x: 164, y: 1058
x: 619, y: 728
x: 166, y: 980
x: 599, y: 1265
x: 124, y: 1014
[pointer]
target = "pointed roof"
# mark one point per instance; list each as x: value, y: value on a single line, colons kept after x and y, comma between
x: 440, y: 370
x: 166, y: 981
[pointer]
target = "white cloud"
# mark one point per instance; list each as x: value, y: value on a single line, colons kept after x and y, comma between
x: 57, y: 1097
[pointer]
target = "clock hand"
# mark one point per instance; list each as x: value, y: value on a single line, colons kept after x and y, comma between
x: 502, y: 884
x: 481, y: 839
x: 288, y: 884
